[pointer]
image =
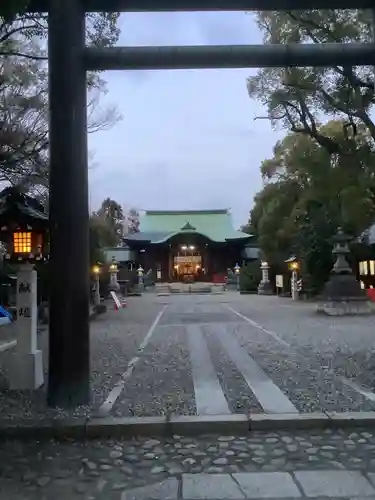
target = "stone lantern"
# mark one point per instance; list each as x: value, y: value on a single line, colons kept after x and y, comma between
x: 265, y: 287
x: 237, y: 272
x: 23, y: 229
x: 342, y: 294
x: 113, y: 272
x: 140, y: 274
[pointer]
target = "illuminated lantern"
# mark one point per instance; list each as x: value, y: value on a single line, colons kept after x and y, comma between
x: 23, y: 226
x: 293, y: 264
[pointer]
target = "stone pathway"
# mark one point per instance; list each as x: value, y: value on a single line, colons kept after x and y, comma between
x: 253, y: 485
x: 206, y: 358
x: 210, y: 355
x: 107, y: 469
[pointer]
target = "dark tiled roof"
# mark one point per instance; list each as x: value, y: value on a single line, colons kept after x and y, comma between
x: 151, y: 236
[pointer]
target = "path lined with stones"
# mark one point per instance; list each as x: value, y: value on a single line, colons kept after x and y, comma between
x: 106, y: 469
x: 216, y: 355
x: 207, y: 356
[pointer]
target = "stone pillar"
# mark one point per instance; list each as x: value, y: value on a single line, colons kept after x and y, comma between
x: 113, y: 283
x: 265, y: 287
x: 97, y: 290
x: 294, y: 285
x: 342, y: 294
x: 69, y: 266
x: 140, y: 273
x: 26, y: 365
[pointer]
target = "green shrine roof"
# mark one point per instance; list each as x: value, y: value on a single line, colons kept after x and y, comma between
x: 157, y: 226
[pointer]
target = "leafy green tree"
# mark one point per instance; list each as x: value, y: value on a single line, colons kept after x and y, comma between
x: 97, y: 235
x: 296, y: 98
x: 250, y: 276
x: 308, y: 193
x: 109, y: 223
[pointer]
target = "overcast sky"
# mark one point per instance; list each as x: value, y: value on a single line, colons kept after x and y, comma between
x: 188, y: 139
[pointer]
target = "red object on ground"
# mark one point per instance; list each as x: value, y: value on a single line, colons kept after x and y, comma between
x: 371, y: 294
x: 218, y: 278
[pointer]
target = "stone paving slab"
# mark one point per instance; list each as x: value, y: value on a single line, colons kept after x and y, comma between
x: 334, y: 483
x: 163, y: 426
x: 264, y: 485
x: 108, y: 468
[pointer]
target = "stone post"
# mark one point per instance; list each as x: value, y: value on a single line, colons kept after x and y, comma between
x: 293, y: 284
x: 342, y: 294
x: 140, y: 272
x: 26, y: 365
x: 113, y: 271
x: 97, y: 290
x: 237, y: 272
x: 264, y: 287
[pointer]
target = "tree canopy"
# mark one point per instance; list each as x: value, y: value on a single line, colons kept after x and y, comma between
x: 322, y: 173
x: 308, y: 193
x: 24, y: 92
x: 299, y: 98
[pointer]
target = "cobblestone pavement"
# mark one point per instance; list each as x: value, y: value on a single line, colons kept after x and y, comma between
x: 108, y: 469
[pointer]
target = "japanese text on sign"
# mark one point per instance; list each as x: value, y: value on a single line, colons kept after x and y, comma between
x: 24, y: 288
x: 24, y: 312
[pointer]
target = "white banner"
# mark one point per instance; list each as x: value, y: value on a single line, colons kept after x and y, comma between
x: 279, y: 280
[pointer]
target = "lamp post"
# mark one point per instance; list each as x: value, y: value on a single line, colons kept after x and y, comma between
x: 140, y: 272
x: 294, y: 266
x: 264, y: 287
x: 113, y: 270
x: 23, y: 227
x: 237, y: 271
x: 96, y: 271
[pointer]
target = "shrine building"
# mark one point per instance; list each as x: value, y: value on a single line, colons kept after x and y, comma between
x: 189, y: 245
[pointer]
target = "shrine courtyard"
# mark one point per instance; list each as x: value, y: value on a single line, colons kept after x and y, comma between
x: 221, y: 356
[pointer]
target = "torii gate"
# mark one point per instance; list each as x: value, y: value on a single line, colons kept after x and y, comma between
x: 69, y: 60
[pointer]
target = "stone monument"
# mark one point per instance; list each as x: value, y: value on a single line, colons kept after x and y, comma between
x: 265, y: 287
x: 342, y: 294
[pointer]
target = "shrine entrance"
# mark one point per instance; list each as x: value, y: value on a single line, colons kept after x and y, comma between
x: 187, y: 268
x: 69, y: 60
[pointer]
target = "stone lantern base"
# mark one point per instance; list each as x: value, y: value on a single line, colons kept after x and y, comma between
x: 343, y: 296
x: 265, y: 288
x: 113, y: 287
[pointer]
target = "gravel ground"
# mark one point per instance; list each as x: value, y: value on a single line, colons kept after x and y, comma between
x: 161, y: 382
x: 321, y: 351
x: 115, y: 338
x: 240, y: 397
x: 99, y: 470
x: 311, y: 386
x: 342, y: 346
x: 305, y: 371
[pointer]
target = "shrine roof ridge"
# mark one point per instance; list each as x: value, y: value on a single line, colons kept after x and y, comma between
x: 188, y: 212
